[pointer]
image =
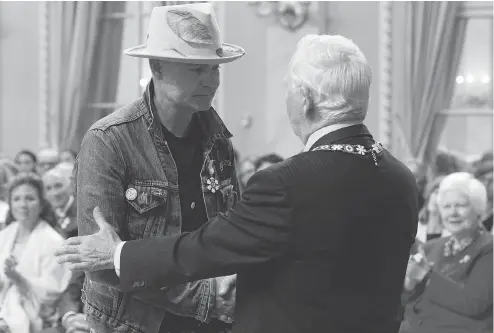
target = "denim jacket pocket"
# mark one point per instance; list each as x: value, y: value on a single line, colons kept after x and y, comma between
x: 147, y: 208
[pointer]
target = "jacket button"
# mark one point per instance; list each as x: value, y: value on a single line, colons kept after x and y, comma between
x: 193, y: 205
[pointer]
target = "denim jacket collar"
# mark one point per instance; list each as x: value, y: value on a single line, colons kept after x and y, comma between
x: 211, y: 124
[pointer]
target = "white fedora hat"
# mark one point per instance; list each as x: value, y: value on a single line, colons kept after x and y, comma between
x: 186, y: 33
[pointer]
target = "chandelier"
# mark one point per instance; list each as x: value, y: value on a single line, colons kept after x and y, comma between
x: 291, y: 15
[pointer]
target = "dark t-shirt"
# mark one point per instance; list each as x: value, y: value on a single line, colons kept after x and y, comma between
x: 187, y: 153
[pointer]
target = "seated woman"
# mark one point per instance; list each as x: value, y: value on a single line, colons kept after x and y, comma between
x: 448, y: 285
x: 31, y: 280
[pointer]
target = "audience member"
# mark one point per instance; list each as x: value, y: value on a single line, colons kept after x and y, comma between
x: 26, y: 161
x: 31, y: 281
x: 430, y: 225
x: 266, y: 161
x: 47, y: 159
x: 58, y: 193
x: 247, y: 169
x: 67, y: 156
x: 448, y: 286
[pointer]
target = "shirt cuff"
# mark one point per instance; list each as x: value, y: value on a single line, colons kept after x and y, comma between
x: 66, y: 316
x: 116, y: 258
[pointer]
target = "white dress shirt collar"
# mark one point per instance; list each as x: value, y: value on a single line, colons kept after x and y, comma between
x: 322, y: 132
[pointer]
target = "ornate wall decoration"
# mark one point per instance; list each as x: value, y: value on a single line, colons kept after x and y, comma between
x: 291, y: 15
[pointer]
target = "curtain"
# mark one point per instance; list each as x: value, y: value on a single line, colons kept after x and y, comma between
x: 431, y: 46
x: 81, y: 71
x: 105, y: 69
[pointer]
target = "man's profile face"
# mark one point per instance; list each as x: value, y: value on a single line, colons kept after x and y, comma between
x: 190, y: 85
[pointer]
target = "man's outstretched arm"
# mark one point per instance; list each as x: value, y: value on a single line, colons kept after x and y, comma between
x: 258, y: 229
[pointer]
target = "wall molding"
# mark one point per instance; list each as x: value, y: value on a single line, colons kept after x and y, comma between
x: 43, y: 115
x: 385, y: 71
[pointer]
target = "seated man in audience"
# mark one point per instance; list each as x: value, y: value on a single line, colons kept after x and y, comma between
x: 59, y: 195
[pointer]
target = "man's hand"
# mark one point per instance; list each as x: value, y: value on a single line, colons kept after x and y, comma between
x: 76, y: 323
x: 92, y: 252
x: 225, y: 298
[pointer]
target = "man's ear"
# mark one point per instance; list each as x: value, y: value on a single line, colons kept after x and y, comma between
x: 307, y: 102
x: 155, y: 66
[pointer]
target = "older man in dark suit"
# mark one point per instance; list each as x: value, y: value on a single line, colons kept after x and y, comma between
x: 320, y: 241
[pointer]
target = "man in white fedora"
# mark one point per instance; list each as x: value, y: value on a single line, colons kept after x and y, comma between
x: 162, y: 165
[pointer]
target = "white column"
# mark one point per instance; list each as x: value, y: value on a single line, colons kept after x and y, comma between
x: 385, y: 71
x: 44, y: 125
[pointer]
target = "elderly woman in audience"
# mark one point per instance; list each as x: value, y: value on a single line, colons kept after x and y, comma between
x: 448, y: 285
x: 26, y: 161
x: 31, y: 281
x: 58, y: 193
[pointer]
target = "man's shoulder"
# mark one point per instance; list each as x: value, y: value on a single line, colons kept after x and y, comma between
x: 125, y: 114
x: 306, y: 163
x: 315, y: 169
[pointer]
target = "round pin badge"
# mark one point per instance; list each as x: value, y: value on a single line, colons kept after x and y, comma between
x: 131, y: 194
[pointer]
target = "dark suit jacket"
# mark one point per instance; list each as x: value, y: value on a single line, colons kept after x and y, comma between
x: 320, y: 243
x: 458, y: 298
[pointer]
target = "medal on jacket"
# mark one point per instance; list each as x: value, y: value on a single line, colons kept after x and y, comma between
x: 212, y: 183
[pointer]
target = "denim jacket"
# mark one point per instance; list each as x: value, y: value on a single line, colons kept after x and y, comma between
x: 125, y: 167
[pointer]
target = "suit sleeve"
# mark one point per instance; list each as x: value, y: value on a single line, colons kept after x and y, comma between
x: 471, y: 298
x: 255, y: 231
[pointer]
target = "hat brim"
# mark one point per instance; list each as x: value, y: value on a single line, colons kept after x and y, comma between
x: 230, y: 53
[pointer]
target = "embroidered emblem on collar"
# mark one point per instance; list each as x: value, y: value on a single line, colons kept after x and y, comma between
x: 376, y: 149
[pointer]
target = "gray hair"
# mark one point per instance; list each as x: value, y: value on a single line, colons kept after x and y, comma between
x: 467, y: 184
x: 335, y: 74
